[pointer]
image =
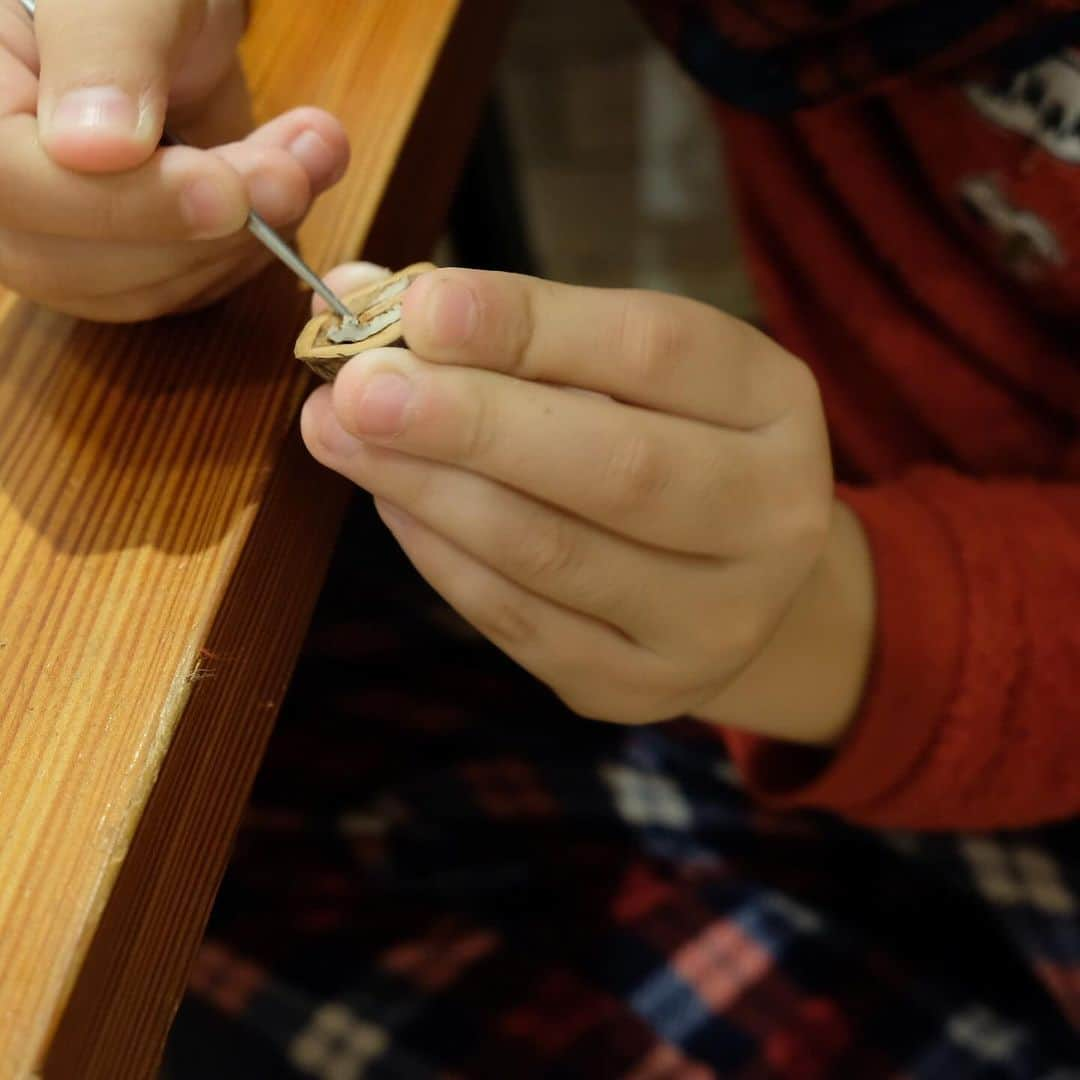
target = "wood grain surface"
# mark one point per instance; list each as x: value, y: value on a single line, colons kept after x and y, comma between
x: 162, y: 540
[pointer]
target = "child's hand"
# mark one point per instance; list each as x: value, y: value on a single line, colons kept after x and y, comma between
x: 637, y: 547
x: 95, y: 219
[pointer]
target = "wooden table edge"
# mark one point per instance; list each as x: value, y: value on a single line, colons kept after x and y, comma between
x: 87, y: 1036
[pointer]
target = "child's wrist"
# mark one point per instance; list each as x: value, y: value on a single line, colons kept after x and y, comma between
x: 807, y: 684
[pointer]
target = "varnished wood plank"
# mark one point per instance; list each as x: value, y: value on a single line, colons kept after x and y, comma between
x: 128, y: 985
x: 162, y: 537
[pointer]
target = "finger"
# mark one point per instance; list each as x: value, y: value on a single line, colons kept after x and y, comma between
x: 44, y: 267
x: 649, y: 595
x: 276, y: 184
x: 595, y: 671
x: 195, y: 287
x: 662, y: 480
x: 17, y: 39
x: 106, y: 70
x: 179, y: 194
x: 662, y: 352
x: 206, y: 285
x: 347, y: 277
x: 289, y: 161
x: 18, y: 86
x: 314, y: 138
x: 210, y: 55
x: 557, y: 556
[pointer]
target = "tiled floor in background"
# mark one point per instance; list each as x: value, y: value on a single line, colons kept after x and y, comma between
x: 619, y: 160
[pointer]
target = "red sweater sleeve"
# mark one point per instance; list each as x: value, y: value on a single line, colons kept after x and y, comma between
x: 972, y: 716
x: 911, y: 226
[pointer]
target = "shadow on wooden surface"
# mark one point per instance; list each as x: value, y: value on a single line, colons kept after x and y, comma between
x: 146, y: 415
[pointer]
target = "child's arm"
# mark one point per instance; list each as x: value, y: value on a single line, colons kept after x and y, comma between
x: 670, y: 543
x: 972, y: 714
x: 95, y: 220
x: 639, y: 546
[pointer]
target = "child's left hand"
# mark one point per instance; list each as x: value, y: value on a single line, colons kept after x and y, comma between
x: 636, y: 547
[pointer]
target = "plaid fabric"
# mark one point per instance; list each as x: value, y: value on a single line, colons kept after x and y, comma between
x: 781, y: 55
x: 443, y: 874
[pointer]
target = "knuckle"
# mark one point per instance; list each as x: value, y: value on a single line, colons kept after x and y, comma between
x: 742, y: 638
x: 416, y: 489
x: 291, y: 187
x: 520, y: 323
x: 810, y: 523
x: 798, y: 509
x: 478, y: 431
x: 803, y: 408
x: 501, y: 619
x: 651, y: 337
x: 803, y: 388
x: 634, y: 694
x: 546, y: 551
x: 638, y: 473
x: 110, y: 215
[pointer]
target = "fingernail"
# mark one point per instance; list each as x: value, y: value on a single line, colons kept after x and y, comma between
x: 99, y: 109
x: 452, y: 313
x: 206, y: 209
x: 335, y: 439
x: 316, y: 156
x: 384, y: 404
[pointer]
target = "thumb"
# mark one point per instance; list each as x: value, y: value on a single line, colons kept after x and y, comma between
x: 106, y: 67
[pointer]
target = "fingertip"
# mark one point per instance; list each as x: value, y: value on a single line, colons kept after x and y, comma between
x: 311, y: 418
x: 415, y: 301
x: 347, y: 278
x: 441, y: 311
x: 322, y: 147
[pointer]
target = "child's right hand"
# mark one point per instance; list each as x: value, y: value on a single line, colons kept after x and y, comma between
x: 95, y: 219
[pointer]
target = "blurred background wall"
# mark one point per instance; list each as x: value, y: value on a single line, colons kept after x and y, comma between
x: 618, y: 159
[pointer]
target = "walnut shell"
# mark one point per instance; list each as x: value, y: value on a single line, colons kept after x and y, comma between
x: 377, y: 307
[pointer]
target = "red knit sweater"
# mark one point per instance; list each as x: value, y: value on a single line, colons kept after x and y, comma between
x: 919, y: 246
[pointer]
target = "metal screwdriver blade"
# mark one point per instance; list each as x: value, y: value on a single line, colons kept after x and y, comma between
x: 273, y: 242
